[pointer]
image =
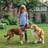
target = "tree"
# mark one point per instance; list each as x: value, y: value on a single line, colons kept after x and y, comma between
x: 33, y: 3
x: 28, y: 3
x: 17, y: 3
x: 3, y: 5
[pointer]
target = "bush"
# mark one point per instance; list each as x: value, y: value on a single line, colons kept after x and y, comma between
x: 12, y: 20
x: 2, y: 26
x: 5, y: 21
x: 38, y: 22
x: 30, y: 22
x: 43, y: 18
x: 6, y: 15
x: 28, y: 16
x: 34, y: 16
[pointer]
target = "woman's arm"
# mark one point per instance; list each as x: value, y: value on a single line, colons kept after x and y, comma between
x: 27, y: 19
x: 19, y: 16
x: 18, y: 20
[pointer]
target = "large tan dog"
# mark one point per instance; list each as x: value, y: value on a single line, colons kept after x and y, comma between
x: 18, y: 31
x: 37, y: 33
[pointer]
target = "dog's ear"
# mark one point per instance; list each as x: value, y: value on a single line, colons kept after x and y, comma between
x: 34, y: 27
x: 27, y: 26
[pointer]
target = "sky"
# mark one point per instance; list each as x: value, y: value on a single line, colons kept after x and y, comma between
x: 43, y: 0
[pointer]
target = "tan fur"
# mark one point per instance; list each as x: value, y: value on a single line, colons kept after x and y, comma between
x: 38, y: 31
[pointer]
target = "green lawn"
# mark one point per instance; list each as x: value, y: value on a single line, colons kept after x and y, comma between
x: 15, y: 40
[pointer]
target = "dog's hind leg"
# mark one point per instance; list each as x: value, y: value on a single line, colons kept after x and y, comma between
x: 42, y: 37
x: 8, y: 39
x: 21, y: 39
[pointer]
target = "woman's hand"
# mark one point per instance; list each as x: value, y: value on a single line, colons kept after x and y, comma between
x: 27, y: 19
x: 27, y: 23
x: 18, y: 25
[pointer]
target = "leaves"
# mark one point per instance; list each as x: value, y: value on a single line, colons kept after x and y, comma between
x: 28, y: 3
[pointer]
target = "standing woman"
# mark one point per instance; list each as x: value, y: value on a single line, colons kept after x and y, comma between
x: 23, y: 19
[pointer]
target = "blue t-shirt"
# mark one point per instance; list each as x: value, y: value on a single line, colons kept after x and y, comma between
x: 23, y: 18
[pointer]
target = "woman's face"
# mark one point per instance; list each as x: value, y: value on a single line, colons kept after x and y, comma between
x: 23, y: 10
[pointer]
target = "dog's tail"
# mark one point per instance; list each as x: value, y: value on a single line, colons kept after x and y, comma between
x: 6, y: 35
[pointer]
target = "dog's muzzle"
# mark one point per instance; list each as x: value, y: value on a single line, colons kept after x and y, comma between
x: 31, y: 27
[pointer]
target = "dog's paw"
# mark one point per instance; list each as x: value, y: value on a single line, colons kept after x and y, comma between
x: 8, y: 41
x: 23, y: 33
x: 40, y: 40
x: 35, y: 42
x: 43, y: 42
x: 21, y: 42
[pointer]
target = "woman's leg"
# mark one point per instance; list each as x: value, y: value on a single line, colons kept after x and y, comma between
x: 26, y: 37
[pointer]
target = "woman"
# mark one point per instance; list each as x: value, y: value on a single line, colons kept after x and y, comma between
x: 23, y: 19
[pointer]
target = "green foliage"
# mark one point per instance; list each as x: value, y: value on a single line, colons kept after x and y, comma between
x: 2, y: 26
x: 43, y: 18
x: 6, y: 15
x: 34, y: 17
x: 18, y: 3
x: 38, y: 22
x: 28, y: 16
x: 12, y: 20
x: 5, y: 21
x: 2, y: 3
x: 28, y: 3
x: 33, y: 3
x: 30, y: 22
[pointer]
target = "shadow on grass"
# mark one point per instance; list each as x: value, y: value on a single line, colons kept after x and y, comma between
x: 18, y: 43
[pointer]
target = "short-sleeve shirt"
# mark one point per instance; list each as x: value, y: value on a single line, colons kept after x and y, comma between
x: 23, y: 20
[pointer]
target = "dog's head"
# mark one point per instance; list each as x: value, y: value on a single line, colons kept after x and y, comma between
x: 33, y: 26
x: 27, y: 26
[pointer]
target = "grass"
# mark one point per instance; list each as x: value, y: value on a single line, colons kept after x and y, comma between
x: 15, y: 40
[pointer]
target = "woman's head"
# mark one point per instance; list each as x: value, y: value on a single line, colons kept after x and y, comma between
x: 22, y: 9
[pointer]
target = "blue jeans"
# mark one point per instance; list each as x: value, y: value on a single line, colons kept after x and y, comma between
x: 26, y: 37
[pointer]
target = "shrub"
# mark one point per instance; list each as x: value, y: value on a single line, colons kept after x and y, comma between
x: 38, y: 22
x: 6, y: 15
x: 43, y: 18
x: 12, y: 20
x: 5, y: 21
x: 28, y: 16
x: 30, y: 22
x: 2, y: 26
x: 34, y: 16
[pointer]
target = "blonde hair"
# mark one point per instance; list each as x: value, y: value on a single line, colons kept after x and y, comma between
x: 22, y: 7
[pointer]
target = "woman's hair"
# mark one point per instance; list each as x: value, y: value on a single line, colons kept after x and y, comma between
x: 21, y: 8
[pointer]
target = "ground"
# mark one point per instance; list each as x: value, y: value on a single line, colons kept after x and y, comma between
x: 15, y: 40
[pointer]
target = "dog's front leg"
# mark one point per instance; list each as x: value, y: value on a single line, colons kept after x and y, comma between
x: 21, y: 39
x: 37, y: 39
x: 42, y: 39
